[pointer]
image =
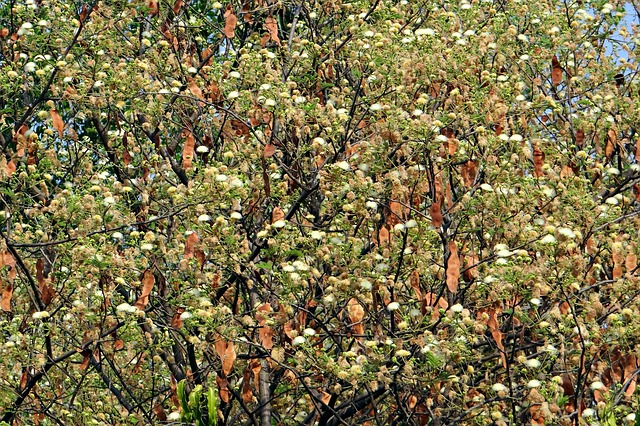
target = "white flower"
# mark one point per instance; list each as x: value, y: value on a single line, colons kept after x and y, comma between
x: 309, y: 332
x: 366, y: 285
x: 233, y: 95
x: 457, y: 308
x: 146, y: 247
x: 410, y: 223
x: 534, y: 384
x: 316, y: 235
x: 398, y: 227
x: 125, y: 307
x: 533, y: 363
x: 174, y: 416
x: 40, y: 315
x: 630, y: 417
x: 371, y: 205
x: 265, y: 86
x: 279, y: 223
x: 300, y: 265
x: 375, y: 107
x: 499, y: 387
x: 369, y: 33
x: 523, y: 37
x: 236, y: 215
x: 270, y: 102
x: 192, y: 70
x: 596, y: 385
x: 403, y: 353
x: 588, y: 412
x: 486, y: 187
x: 299, y: 340
x: 186, y: 315
x: 234, y: 74
x: 109, y: 201
x: 535, y: 301
x: 202, y: 149
x: 393, y: 306
x: 344, y: 166
x: 221, y: 178
x: 516, y: 138
x: 425, y: 31
x: 548, y: 239
x: 117, y: 235
x: 607, y: 8
x: 503, y: 253
x: 204, y: 218
x: 549, y: 192
x: 612, y: 201
x: 566, y: 232
x: 30, y: 67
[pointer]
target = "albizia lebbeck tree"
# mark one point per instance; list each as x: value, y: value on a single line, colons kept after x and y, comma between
x: 318, y: 212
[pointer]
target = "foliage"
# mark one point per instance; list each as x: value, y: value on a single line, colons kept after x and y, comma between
x: 319, y: 212
x: 192, y: 406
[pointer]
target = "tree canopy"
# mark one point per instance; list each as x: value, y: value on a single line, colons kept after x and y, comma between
x: 324, y: 212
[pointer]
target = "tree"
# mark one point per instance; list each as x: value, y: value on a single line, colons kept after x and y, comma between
x: 322, y: 212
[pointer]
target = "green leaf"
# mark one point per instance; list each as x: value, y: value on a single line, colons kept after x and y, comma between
x: 563, y: 400
x: 184, y: 403
x: 295, y: 253
x: 212, y: 406
x: 432, y: 360
x: 265, y: 265
x: 9, y: 193
x: 194, y: 404
x: 194, y: 397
